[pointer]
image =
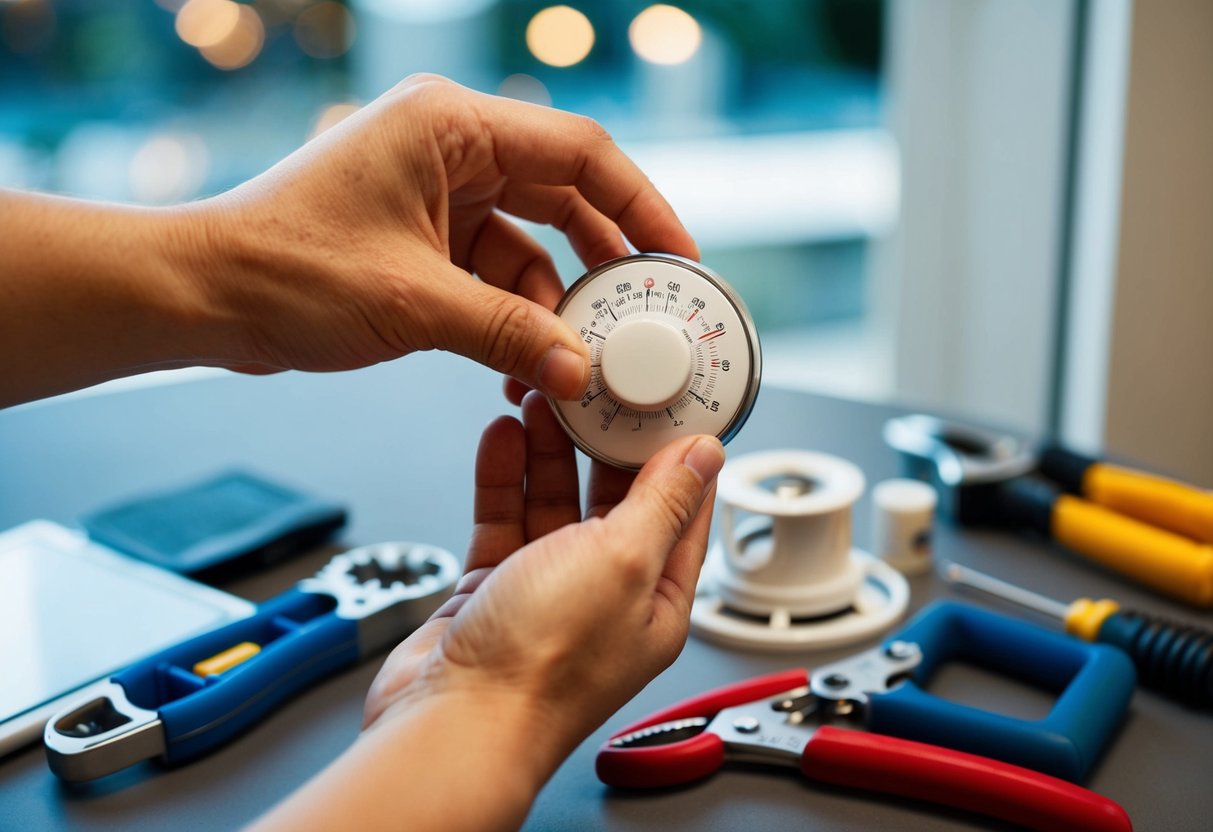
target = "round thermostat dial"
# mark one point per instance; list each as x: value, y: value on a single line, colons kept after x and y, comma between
x: 673, y: 352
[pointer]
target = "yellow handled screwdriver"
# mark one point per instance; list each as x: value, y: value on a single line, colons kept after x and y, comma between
x: 1172, y: 658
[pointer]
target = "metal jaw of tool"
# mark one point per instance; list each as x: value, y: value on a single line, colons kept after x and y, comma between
x: 166, y: 706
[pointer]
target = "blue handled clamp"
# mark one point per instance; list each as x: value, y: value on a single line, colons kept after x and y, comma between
x: 196, y: 695
x: 884, y: 687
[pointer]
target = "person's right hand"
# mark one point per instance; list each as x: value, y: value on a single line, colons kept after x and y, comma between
x: 359, y: 247
x: 561, y: 617
x: 572, y: 613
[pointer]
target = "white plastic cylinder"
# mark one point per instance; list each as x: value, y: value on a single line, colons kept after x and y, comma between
x: 794, y: 553
x: 902, y: 512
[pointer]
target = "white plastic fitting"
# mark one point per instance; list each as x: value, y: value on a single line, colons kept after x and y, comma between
x: 786, y: 576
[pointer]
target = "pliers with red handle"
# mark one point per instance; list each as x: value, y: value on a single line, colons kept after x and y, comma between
x: 765, y: 720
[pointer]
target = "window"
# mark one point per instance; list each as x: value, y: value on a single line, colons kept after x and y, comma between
x: 884, y: 183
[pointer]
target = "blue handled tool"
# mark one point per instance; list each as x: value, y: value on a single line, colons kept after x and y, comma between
x: 188, y: 699
x: 885, y: 688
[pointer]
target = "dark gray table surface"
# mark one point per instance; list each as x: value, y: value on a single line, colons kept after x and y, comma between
x: 397, y: 443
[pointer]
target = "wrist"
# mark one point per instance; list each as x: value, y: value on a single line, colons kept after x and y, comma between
x: 92, y: 292
x: 201, y: 248
x: 432, y: 761
x: 514, y: 740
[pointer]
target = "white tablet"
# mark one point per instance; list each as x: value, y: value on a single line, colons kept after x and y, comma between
x: 73, y: 612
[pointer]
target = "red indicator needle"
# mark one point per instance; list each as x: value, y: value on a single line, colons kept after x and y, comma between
x: 710, y: 335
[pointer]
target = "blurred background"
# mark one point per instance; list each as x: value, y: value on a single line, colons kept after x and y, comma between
x: 921, y: 202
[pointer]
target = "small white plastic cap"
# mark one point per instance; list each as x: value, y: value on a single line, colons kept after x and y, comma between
x: 646, y: 364
x: 902, y: 511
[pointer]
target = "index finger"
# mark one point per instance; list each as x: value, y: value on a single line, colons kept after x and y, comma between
x: 549, y: 147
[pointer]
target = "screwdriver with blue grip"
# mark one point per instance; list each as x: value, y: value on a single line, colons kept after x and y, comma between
x: 1171, y: 658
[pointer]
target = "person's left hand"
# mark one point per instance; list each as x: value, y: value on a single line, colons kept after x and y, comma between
x: 360, y: 247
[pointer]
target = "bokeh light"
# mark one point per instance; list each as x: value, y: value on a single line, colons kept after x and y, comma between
x: 168, y: 167
x: 332, y: 115
x: 325, y: 30
x: 241, y: 45
x: 27, y: 27
x: 560, y: 36
x: 663, y: 34
x: 207, y: 22
x: 523, y: 87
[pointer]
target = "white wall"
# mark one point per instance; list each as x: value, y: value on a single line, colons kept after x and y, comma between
x: 1159, y: 406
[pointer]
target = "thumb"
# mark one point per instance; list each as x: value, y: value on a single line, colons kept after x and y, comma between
x: 667, y: 495
x: 509, y: 333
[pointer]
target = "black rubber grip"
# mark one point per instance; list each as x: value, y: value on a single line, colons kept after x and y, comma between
x: 1171, y: 658
x: 1064, y: 467
x: 1027, y: 503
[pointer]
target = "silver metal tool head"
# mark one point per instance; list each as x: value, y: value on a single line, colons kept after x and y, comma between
x: 847, y: 685
x: 966, y: 464
x: 104, y: 734
x: 390, y: 589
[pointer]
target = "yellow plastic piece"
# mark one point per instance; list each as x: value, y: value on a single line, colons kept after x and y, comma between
x: 1085, y: 617
x: 1164, y: 561
x: 1168, y: 504
x: 229, y: 658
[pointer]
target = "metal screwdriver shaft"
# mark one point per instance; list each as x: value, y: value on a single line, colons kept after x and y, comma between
x: 954, y: 573
x: 1172, y: 658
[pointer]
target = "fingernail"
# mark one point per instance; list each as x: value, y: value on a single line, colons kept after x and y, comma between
x: 563, y: 373
x: 705, y: 458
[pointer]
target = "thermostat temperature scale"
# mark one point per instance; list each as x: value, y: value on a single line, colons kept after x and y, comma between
x: 673, y: 352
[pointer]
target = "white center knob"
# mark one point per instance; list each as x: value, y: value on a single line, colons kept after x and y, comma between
x: 646, y: 364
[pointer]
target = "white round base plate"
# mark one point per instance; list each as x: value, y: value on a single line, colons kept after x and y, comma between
x: 882, y: 599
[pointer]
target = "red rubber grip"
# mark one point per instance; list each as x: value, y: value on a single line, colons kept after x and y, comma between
x: 660, y: 765
x: 954, y: 778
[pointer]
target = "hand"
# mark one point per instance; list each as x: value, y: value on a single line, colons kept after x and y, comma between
x: 557, y: 622
x: 357, y: 248
x: 575, y: 616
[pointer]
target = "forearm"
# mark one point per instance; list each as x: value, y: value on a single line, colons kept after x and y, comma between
x: 90, y: 292
x: 446, y: 762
